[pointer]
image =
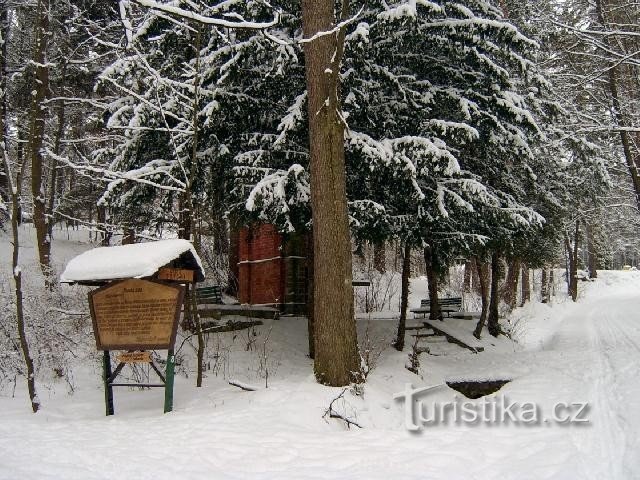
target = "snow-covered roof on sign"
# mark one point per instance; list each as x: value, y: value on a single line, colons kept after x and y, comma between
x: 137, y: 260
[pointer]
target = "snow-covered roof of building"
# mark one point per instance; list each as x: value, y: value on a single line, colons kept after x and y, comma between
x: 137, y: 260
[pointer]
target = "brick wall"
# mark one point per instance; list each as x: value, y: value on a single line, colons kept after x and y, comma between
x: 260, y: 265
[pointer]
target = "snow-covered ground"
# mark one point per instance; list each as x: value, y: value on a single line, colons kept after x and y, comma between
x: 583, y: 352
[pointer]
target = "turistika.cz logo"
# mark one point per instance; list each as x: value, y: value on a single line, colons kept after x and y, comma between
x: 493, y: 410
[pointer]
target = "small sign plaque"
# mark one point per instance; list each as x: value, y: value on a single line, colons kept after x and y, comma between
x: 175, y: 274
x: 134, y: 357
x: 135, y: 315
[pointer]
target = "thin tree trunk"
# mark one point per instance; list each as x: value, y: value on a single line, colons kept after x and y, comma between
x: 105, y: 238
x: 36, y: 139
x: 510, y: 290
x: 14, y: 194
x: 493, y: 321
x: 336, y: 359
x: 468, y: 276
x: 544, y: 287
x: 21, y: 163
x: 475, y: 281
x: 574, y: 277
x: 5, y: 21
x: 591, y: 251
x: 435, y: 313
x: 190, y: 217
x: 526, y: 285
x: 53, y: 179
x: 195, y: 319
x: 379, y: 257
x: 572, y: 256
x: 483, y: 283
x: 404, y: 298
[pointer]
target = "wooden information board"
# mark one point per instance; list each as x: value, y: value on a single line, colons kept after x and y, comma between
x: 135, y: 314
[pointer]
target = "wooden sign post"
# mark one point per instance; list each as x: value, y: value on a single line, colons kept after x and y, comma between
x: 136, y: 315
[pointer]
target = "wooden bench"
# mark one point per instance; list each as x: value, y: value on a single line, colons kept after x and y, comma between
x: 448, y: 305
x: 209, y: 295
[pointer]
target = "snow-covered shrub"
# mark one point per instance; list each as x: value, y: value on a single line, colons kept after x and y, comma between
x: 58, y: 327
x: 379, y: 296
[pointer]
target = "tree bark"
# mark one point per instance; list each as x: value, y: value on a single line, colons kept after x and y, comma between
x: 53, y: 179
x: 435, y: 312
x: 36, y: 138
x: 572, y: 255
x: 468, y: 276
x: 336, y: 360
x: 591, y: 252
x: 526, y: 285
x: 105, y: 235
x: 5, y: 21
x: 483, y: 283
x: 379, y: 257
x: 493, y: 320
x: 544, y: 287
x: 404, y: 298
x: 510, y: 291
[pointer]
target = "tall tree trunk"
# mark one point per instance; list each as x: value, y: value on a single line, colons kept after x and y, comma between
x: 404, y: 298
x: 191, y: 215
x: 483, y: 283
x: 14, y: 194
x: 21, y: 162
x: 572, y: 256
x: 53, y: 179
x: 105, y: 233
x: 36, y: 138
x: 526, y: 285
x: 510, y: 291
x: 468, y: 276
x: 591, y: 252
x: 544, y: 287
x: 379, y: 257
x: 574, y: 277
x: 435, y: 312
x: 493, y: 323
x: 336, y: 360
x: 5, y: 21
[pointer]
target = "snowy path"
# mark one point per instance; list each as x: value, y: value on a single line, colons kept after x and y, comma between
x: 606, y: 333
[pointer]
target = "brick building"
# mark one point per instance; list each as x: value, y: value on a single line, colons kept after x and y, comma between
x: 272, y: 269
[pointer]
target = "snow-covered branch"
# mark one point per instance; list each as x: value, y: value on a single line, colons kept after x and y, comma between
x: 240, y: 22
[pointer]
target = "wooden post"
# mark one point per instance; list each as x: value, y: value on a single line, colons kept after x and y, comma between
x: 108, y: 389
x: 168, y: 386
